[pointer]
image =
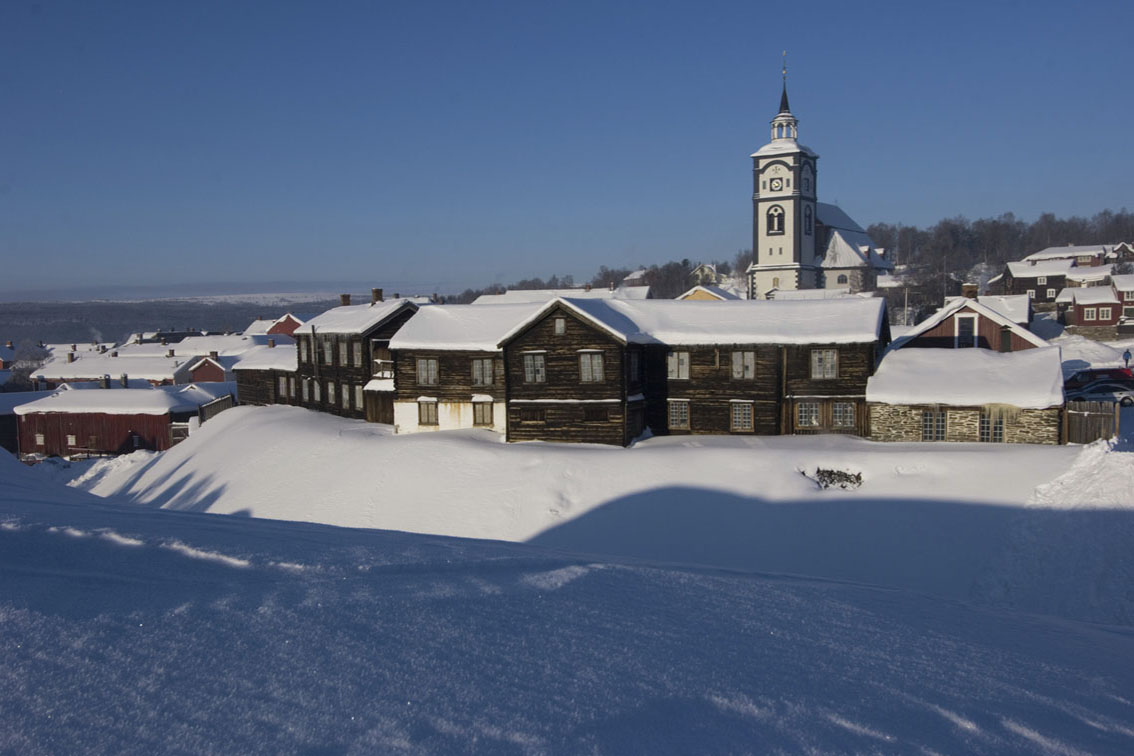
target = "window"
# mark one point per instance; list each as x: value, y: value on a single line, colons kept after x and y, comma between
x: 678, y: 414
x: 775, y: 220
x: 328, y: 347
x: 806, y: 184
x: 1128, y: 296
x: 343, y: 353
x: 305, y: 391
x: 991, y: 427
x: 743, y: 366
x: 1041, y: 280
x: 806, y: 214
x: 1104, y: 313
x: 1051, y: 293
x: 427, y: 413
x: 533, y: 415
x: 291, y: 386
x: 560, y: 326
x: 71, y: 440
x: 595, y: 413
x: 590, y: 367
x: 842, y: 414
x: 427, y: 371
x: 807, y: 415
x: 39, y: 439
x: 482, y: 371
x: 358, y: 354
x: 677, y: 365
x: 1084, y: 259
x: 281, y: 390
x: 775, y: 283
x: 1088, y: 313
x: 330, y: 392
x: 316, y: 392
x: 345, y: 396
x: 633, y: 367
x: 824, y: 363
x: 1031, y: 293
x: 358, y: 397
x: 933, y: 425
x: 842, y: 278
x: 303, y: 350
x: 535, y: 371
x: 740, y: 417
x: 966, y: 331
x: 482, y: 413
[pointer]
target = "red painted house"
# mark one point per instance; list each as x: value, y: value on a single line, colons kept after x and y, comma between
x: 116, y: 421
x: 965, y: 323
x: 1091, y: 306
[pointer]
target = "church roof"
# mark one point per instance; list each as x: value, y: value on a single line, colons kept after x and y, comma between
x: 783, y: 100
x: 783, y: 146
x: 848, y: 245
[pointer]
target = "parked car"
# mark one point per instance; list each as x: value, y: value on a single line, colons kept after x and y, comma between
x: 1081, y: 378
x: 1104, y: 391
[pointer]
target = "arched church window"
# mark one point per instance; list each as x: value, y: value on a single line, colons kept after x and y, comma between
x: 775, y: 220
x: 806, y: 184
x: 807, y: 219
x: 842, y: 278
x: 775, y: 283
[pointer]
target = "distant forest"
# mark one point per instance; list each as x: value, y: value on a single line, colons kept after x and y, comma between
x: 956, y: 248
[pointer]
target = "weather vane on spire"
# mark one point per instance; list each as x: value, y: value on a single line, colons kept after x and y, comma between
x: 785, y: 67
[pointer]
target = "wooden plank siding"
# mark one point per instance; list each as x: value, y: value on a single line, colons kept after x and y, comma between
x: 454, y: 375
x: 856, y: 363
x: 342, y: 372
x: 942, y: 335
x: 261, y: 387
x: 563, y: 408
x: 94, y: 432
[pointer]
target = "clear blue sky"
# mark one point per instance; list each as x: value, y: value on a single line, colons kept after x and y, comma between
x: 441, y: 145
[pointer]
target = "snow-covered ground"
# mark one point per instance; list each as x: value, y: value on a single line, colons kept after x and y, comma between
x: 964, y: 521
x: 126, y: 629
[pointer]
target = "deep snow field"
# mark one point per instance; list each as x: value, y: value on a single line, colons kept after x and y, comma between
x: 684, y: 595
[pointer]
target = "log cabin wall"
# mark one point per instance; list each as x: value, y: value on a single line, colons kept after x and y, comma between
x: 563, y: 407
x: 451, y: 389
x: 254, y: 387
x: 826, y: 405
x: 711, y: 390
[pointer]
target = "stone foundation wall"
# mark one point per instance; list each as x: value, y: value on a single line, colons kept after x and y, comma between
x: 1097, y: 333
x: 899, y: 422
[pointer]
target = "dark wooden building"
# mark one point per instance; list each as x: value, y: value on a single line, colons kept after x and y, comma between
x: 342, y: 350
x: 1041, y: 281
x: 966, y: 323
x: 266, y: 375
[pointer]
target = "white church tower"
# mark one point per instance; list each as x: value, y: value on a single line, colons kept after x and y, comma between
x: 783, y: 210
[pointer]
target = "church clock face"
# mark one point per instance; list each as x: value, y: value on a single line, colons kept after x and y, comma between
x: 777, y: 184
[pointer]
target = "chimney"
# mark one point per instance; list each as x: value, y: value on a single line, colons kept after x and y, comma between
x: 114, y: 353
x: 375, y: 296
x: 169, y: 353
x: 8, y: 343
x: 397, y: 295
x: 124, y: 380
x: 271, y: 343
x: 433, y: 298
x: 969, y: 290
x: 70, y: 357
x: 587, y: 287
x: 612, y: 285
x: 102, y: 348
x: 104, y: 382
x: 344, y: 300
x: 138, y: 339
x: 214, y: 355
x: 74, y: 348
x: 164, y: 342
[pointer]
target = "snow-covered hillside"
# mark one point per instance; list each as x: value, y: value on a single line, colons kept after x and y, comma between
x: 131, y: 630
x: 956, y: 520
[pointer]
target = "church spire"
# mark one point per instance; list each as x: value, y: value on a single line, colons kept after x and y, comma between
x: 783, y: 97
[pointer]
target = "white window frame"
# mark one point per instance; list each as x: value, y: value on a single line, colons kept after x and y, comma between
x: 591, y: 367
x: 316, y: 390
x: 1051, y: 293
x: 812, y: 415
x: 535, y: 367
x: 743, y: 366
x: 358, y: 397
x: 482, y: 371
x: 281, y: 386
x: 957, y: 331
x: 344, y: 396
x: 1089, y: 313
x: 678, y: 408
x: 305, y: 390
x: 1104, y: 313
x: 560, y: 326
x: 330, y: 392
x: 343, y: 353
x: 72, y: 440
x: 303, y: 350
x: 677, y: 366
x: 748, y: 417
x: 1031, y: 293
x: 357, y: 353
x: 1041, y: 280
x: 828, y: 369
x: 328, y: 352
x: 427, y: 371
x: 835, y: 420
x: 427, y: 413
x: 39, y: 441
x: 1128, y: 296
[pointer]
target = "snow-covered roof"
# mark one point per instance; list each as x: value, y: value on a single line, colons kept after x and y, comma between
x: 784, y: 146
x: 153, y: 401
x: 1089, y: 273
x: 848, y: 246
x: 847, y: 320
x: 1092, y: 295
x: 1028, y: 379
x: 379, y: 384
x: 9, y: 400
x: 787, y: 295
x: 1055, y: 253
x: 354, y: 319
x: 716, y: 292
x: 1124, y: 282
x: 225, y: 362
x: 115, y: 382
x: 1015, y: 307
x: 282, y: 357
x: 7, y: 353
x: 87, y: 366
x: 1041, y: 268
x: 954, y: 304
x: 889, y: 281
x: 640, y: 274
x: 261, y: 326
x: 526, y: 296
x: 463, y: 327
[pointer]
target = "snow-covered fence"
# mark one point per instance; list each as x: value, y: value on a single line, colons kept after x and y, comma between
x: 1084, y: 422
